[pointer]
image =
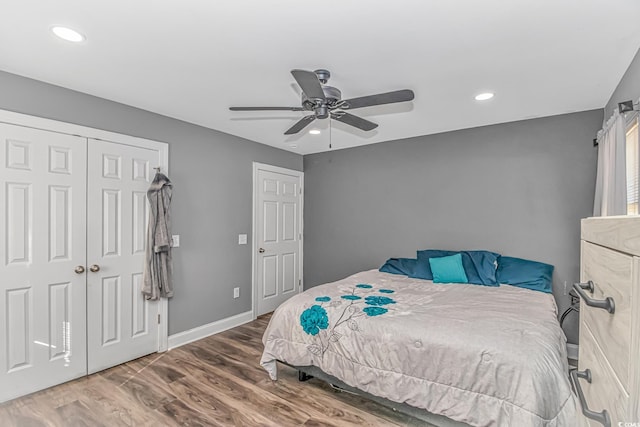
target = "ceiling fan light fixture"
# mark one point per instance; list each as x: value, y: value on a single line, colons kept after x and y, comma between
x: 326, y: 102
x: 485, y: 96
x: 68, y: 34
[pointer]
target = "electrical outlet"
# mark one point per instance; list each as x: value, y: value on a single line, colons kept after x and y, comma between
x: 175, y: 241
x: 242, y: 239
x: 236, y: 292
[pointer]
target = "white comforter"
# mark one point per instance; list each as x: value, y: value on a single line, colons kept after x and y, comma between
x: 487, y: 356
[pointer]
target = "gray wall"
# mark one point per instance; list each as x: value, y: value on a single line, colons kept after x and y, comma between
x: 212, y: 176
x: 628, y: 88
x: 518, y: 188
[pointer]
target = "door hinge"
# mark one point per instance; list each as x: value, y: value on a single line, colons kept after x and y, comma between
x: 299, y: 282
x: 158, y: 319
x: 300, y: 190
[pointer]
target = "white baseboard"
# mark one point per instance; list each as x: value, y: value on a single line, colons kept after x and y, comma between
x: 572, y: 351
x: 195, y: 334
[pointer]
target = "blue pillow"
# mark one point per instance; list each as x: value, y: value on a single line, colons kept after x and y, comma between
x: 423, y: 269
x: 448, y: 269
x: 524, y: 273
x: 479, y: 266
x: 404, y: 266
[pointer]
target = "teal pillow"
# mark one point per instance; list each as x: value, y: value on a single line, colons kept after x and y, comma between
x: 404, y: 266
x: 479, y: 266
x: 448, y: 269
x: 525, y: 273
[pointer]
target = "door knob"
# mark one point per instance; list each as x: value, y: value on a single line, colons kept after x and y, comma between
x: 261, y: 250
x: 79, y: 269
x: 94, y: 268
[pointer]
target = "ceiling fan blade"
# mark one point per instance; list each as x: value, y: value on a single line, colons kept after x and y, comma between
x: 301, y: 124
x: 352, y: 120
x: 309, y: 83
x: 379, y: 99
x: 266, y: 108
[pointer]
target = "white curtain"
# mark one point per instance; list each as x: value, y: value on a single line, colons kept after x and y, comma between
x: 611, y: 179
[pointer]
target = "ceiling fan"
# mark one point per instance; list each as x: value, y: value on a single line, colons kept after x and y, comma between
x: 326, y: 101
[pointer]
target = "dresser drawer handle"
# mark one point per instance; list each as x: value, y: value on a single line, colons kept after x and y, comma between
x: 606, y: 304
x: 601, y: 417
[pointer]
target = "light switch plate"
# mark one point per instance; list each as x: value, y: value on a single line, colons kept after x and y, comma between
x: 175, y: 241
x: 242, y: 239
x: 236, y: 292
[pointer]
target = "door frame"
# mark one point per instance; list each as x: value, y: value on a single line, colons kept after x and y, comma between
x: 19, y: 119
x: 254, y: 221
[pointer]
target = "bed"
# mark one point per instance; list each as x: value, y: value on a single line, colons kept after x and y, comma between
x: 485, y: 356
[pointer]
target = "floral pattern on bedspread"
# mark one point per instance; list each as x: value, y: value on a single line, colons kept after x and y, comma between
x: 315, y: 319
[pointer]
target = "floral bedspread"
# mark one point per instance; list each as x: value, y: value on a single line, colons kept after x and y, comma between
x: 487, y: 356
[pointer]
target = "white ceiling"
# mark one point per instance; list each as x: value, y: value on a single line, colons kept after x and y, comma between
x: 193, y: 59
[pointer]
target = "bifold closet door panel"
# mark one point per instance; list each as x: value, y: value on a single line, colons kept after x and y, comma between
x: 42, y: 259
x: 121, y: 324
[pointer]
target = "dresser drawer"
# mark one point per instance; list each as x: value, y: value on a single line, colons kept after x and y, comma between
x: 611, y: 273
x: 604, y: 391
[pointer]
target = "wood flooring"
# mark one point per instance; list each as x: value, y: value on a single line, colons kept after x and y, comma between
x: 216, y: 381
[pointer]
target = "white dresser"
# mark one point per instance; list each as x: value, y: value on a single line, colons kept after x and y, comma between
x: 608, y: 376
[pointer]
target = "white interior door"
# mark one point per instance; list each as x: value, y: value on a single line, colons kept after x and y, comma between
x: 121, y: 324
x: 278, y: 236
x: 42, y: 242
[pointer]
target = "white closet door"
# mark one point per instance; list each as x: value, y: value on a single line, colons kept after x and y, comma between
x: 121, y: 324
x: 42, y: 242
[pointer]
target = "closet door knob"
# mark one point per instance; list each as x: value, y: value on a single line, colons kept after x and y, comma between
x: 261, y: 250
x: 79, y: 269
x: 94, y: 268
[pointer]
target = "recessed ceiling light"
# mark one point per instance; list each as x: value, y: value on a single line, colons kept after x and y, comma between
x: 314, y: 132
x: 484, y: 96
x: 68, y: 34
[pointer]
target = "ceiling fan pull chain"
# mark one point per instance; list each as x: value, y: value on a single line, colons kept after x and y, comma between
x: 330, y: 132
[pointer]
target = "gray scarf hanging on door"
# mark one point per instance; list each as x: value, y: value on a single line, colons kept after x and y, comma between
x: 157, y: 279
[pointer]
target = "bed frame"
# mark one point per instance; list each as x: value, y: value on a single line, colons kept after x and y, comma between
x: 305, y: 373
